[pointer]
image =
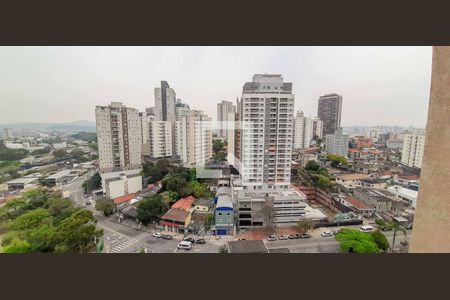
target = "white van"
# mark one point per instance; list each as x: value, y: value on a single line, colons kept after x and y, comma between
x: 186, y: 245
x: 366, y: 228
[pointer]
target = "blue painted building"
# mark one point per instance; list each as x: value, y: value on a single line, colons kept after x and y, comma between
x: 224, y: 215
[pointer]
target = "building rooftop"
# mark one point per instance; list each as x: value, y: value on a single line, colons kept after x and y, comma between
x: 22, y: 180
x: 62, y: 174
x: 203, y: 202
x: 176, y: 215
x: 224, y: 201
x: 124, y: 198
x: 184, y: 203
x: 270, y: 193
x: 355, y: 176
x: 356, y: 203
x: 245, y: 246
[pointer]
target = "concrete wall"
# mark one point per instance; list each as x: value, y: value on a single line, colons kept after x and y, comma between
x: 431, y: 222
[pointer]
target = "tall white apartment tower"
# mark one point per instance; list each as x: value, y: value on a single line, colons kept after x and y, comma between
x: 225, y: 115
x: 119, y: 137
x: 195, y: 139
x: 303, y: 131
x: 267, y: 117
x: 413, y: 146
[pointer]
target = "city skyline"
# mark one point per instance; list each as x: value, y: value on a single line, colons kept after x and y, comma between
x: 204, y: 76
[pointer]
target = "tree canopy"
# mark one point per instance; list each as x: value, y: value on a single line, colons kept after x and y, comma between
x: 150, y: 209
x: 355, y: 241
x: 39, y: 221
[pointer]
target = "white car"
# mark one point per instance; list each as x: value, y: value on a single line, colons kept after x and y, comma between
x: 185, y: 245
x: 326, y: 234
x: 283, y: 237
x: 272, y: 238
x: 157, y: 234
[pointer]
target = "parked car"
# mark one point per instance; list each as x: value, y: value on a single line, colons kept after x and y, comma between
x: 157, y: 234
x: 200, y: 241
x: 166, y: 236
x: 326, y: 234
x: 294, y: 236
x: 305, y: 236
x: 283, y: 237
x: 189, y: 239
x: 272, y: 237
x: 185, y: 245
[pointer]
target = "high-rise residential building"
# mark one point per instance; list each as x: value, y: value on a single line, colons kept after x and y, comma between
x: 267, y: 113
x: 317, y: 128
x: 165, y: 99
x: 144, y: 119
x: 194, y: 139
x: 165, y: 102
x: 119, y: 137
x: 412, y: 152
x: 337, y: 143
x: 7, y: 133
x: 181, y: 109
x: 225, y: 115
x: 234, y: 138
x: 303, y: 131
x: 160, y: 137
x: 329, y: 111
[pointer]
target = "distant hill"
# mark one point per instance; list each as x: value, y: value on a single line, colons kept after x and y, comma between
x: 75, y: 126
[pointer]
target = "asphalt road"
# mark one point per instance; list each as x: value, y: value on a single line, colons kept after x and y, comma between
x: 319, y: 244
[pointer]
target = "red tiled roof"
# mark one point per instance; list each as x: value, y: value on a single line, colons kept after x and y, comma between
x: 184, y: 203
x: 176, y: 215
x: 311, y: 150
x: 124, y: 198
x: 376, y: 152
x: 356, y: 203
x: 353, y: 150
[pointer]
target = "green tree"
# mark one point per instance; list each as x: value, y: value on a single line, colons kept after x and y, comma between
x: 42, y: 151
x: 305, y: 224
x: 60, y: 153
x: 105, y: 205
x: 76, y: 234
x: 336, y: 160
x: 380, y: 239
x: 93, y: 183
x: 396, y: 227
x: 173, y: 196
x: 200, y: 190
x: 78, y: 155
x: 60, y: 209
x: 217, y: 146
x: 312, y: 166
x: 355, y: 241
x: 17, y: 246
x: 220, y: 156
x: 150, y: 209
x: 223, y: 249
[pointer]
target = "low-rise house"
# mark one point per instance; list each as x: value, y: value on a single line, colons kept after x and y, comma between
x: 176, y: 220
x: 122, y: 185
x: 357, y: 206
x: 124, y: 198
x: 203, y: 205
x: 184, y: 203
x: 375, y: 183
x: 380, y: 200
x: 351, y: 180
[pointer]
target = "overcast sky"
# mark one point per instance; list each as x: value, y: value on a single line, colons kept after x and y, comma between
x: 380, y: 85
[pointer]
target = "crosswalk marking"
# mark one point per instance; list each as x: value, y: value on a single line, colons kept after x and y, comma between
x: 117, y: 247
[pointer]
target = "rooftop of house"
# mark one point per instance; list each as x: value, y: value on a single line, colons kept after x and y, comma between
x: 356, y: 203
x: 184, y: 203
x: 124, y: 198
x: 354, y: 176
x: 176, y: 215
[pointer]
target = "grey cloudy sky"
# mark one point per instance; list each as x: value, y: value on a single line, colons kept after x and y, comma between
x: 380, y: 85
